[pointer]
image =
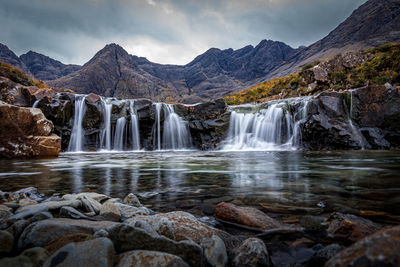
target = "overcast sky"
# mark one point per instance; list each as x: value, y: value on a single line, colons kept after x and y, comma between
x: 164, y: 31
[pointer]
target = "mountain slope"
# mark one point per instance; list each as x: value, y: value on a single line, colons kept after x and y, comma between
x: 113, y: 72
x: 374, y: 23
x: 8, y: 56
x: 46, y: 68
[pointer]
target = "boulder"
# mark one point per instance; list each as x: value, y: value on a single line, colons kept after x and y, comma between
x: 70, y: 212
x: 25, y: 132
x: 149, y: 258
x: 29, y: 193
x: 42, y: 233
x: 6, y: 242
x: 252, y: 252
x: 324, y: 254
x: 37, y: 256
x: 110, y: 211
x: 132, y: 200
x: 349, y: 228
x: 28, y: 211
x: 379, y: 249
x: 128, y: 211
x: 126, y: 238
x: 5, y: 212
x: 214, y: 251
x: 86, y: 195
x: 246, y: 216
x: 179, y: 225
x: 98, y: 252
x: 27, y: 202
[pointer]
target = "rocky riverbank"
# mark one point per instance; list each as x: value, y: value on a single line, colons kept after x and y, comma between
x: 91, y: 229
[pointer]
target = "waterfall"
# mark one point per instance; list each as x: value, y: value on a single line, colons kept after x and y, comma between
x: 36, y: 103
x: 119, y: 134
x: 354, y: 129
x: 274, y: 127
x: 158, y: 125
x: 175, y: 132
x: 76, y: 139
x: 105, y: 140
x: 134, y: 126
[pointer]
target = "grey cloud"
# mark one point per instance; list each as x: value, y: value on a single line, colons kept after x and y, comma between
x: 165, y: 31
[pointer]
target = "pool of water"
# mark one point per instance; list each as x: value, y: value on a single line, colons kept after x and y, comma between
x: 361, y: 180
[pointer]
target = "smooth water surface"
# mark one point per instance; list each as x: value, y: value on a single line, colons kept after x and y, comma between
x: 186, y: 179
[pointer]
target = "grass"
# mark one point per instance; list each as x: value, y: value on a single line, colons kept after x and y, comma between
x: 382, y: 67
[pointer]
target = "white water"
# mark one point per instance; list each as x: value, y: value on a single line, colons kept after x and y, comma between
x: 105, y: 140
x: 134, y: 127
x: 272, y: 128
x: 355, y: 129
x: 158, y: 125
x: 76, y: 140
x: 36, y: 103
x: 119, y: 134
x: 175, y: 131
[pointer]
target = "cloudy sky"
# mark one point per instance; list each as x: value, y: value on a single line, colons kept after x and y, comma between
x: 164, y: 31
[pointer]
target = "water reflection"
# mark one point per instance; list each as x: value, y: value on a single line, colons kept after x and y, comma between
x: 362, y: 180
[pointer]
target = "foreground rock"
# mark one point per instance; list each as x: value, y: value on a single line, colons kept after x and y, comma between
x: 246, y: 216
x: 42, y: 233
x: 149, y: 258
x: 350, y: 228
x: 126, y: 238
x: 180, y: 226
x: 252, y: 252
x: 98, y: 252
x: 379, y: 249
x: 25, y: 132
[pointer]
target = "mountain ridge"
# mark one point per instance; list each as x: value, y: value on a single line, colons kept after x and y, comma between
x: 114, y: 72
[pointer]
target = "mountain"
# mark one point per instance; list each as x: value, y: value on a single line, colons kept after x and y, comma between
x: 46, y: 68
x: 113, y: 72
x: 374, y: 23
x: 8, y: 56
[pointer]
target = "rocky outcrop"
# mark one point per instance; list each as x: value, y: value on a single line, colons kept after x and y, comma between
x: 364, y: 118
x: 207, y: 122
x: 25, y: 132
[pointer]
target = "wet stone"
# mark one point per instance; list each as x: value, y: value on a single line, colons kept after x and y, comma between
x: 97, y: 252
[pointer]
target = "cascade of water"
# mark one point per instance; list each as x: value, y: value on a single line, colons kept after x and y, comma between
x: 119, y: 134
x: 272, y: 128
x: 354, y: 129
x: 175, y: 131
x: 76, y: 139
x: 105, y: 139
x: 36, y: 103
x: 134, y: 126
x: 158, y: 125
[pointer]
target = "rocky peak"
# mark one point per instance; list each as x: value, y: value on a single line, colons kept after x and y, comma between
x: 9, y: 57
x: 46, y: 68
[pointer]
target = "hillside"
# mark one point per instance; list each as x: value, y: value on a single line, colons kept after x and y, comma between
x: 19, y: 88
x: 350, y: 70
x: 45, y: 68
x: 215, y: 73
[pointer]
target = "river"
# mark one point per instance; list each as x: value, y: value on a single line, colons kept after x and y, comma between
x: 169, y: 180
